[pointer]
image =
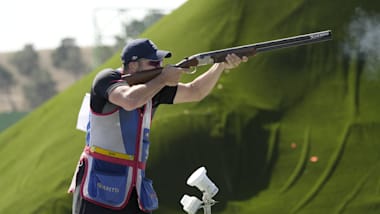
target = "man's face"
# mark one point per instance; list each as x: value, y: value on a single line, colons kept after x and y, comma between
x: 146, y: 64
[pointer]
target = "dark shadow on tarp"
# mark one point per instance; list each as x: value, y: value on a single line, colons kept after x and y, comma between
x: 236, y: 162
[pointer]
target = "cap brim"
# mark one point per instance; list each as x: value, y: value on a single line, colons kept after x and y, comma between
x: 159, y: 55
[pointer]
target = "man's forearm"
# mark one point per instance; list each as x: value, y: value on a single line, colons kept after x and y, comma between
x: 206, y: 82
x: 138, y: 95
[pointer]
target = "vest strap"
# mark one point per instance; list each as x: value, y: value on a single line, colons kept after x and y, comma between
x: 111, y: 153
x: 114, y: 157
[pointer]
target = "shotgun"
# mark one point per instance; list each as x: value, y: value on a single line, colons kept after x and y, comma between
x: 216, y: 56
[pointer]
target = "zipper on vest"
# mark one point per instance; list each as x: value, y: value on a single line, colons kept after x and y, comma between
x: 137, y: 149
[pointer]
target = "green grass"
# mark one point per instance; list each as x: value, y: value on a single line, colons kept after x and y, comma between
x: 242, y: 133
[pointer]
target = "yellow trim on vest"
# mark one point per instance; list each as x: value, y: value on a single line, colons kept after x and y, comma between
x: 111, y: 153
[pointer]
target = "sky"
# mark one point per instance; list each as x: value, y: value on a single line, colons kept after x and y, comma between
x: 44, y: 23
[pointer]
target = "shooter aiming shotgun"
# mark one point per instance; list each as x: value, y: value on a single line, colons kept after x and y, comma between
x: 212, y: 57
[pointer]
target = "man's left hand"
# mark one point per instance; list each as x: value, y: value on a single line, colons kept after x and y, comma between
x: 232, y: 61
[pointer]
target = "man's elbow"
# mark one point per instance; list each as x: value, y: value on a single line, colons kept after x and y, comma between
x: 130, y: 105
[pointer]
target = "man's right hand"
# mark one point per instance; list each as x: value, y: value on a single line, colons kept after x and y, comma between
x: 171, y: 75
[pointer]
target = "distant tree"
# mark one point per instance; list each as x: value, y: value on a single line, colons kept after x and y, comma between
x: 68, y: 56
x: 39, y: 90
x: 135, y: 27
x: 119, y: 42
x: 103, y: 53
x: 6, y: 83
x: 40, y: 86
x: 26, y: 61
x: 152, y: 17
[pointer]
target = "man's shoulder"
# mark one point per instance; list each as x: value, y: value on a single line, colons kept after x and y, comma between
x: 107, y: 74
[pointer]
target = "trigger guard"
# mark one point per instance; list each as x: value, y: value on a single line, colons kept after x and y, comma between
x: 192, y: 71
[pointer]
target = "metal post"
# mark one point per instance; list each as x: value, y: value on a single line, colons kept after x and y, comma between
x: 207, y: 203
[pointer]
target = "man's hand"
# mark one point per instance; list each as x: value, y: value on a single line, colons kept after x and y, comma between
x: 171, y: 75
x: 232, y: 61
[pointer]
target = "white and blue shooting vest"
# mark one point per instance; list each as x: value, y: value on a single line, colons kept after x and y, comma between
x: 117, y: 147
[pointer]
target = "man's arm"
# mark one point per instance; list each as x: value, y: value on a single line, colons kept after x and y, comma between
x: 200, y: 87
x: 132, y: 97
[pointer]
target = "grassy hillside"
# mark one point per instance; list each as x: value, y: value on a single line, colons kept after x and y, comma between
x: 255, y: 133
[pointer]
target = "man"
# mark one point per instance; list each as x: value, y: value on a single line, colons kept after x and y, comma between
x: 110, y: 177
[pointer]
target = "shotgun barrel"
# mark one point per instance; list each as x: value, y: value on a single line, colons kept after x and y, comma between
x: 252, y: 49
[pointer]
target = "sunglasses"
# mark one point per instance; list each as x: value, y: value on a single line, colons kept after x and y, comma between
x: 155, y: 63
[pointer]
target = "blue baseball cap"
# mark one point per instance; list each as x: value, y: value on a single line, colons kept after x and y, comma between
x: 142, y: 48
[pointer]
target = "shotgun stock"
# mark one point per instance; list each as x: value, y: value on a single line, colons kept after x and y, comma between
x: 217, y: 56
